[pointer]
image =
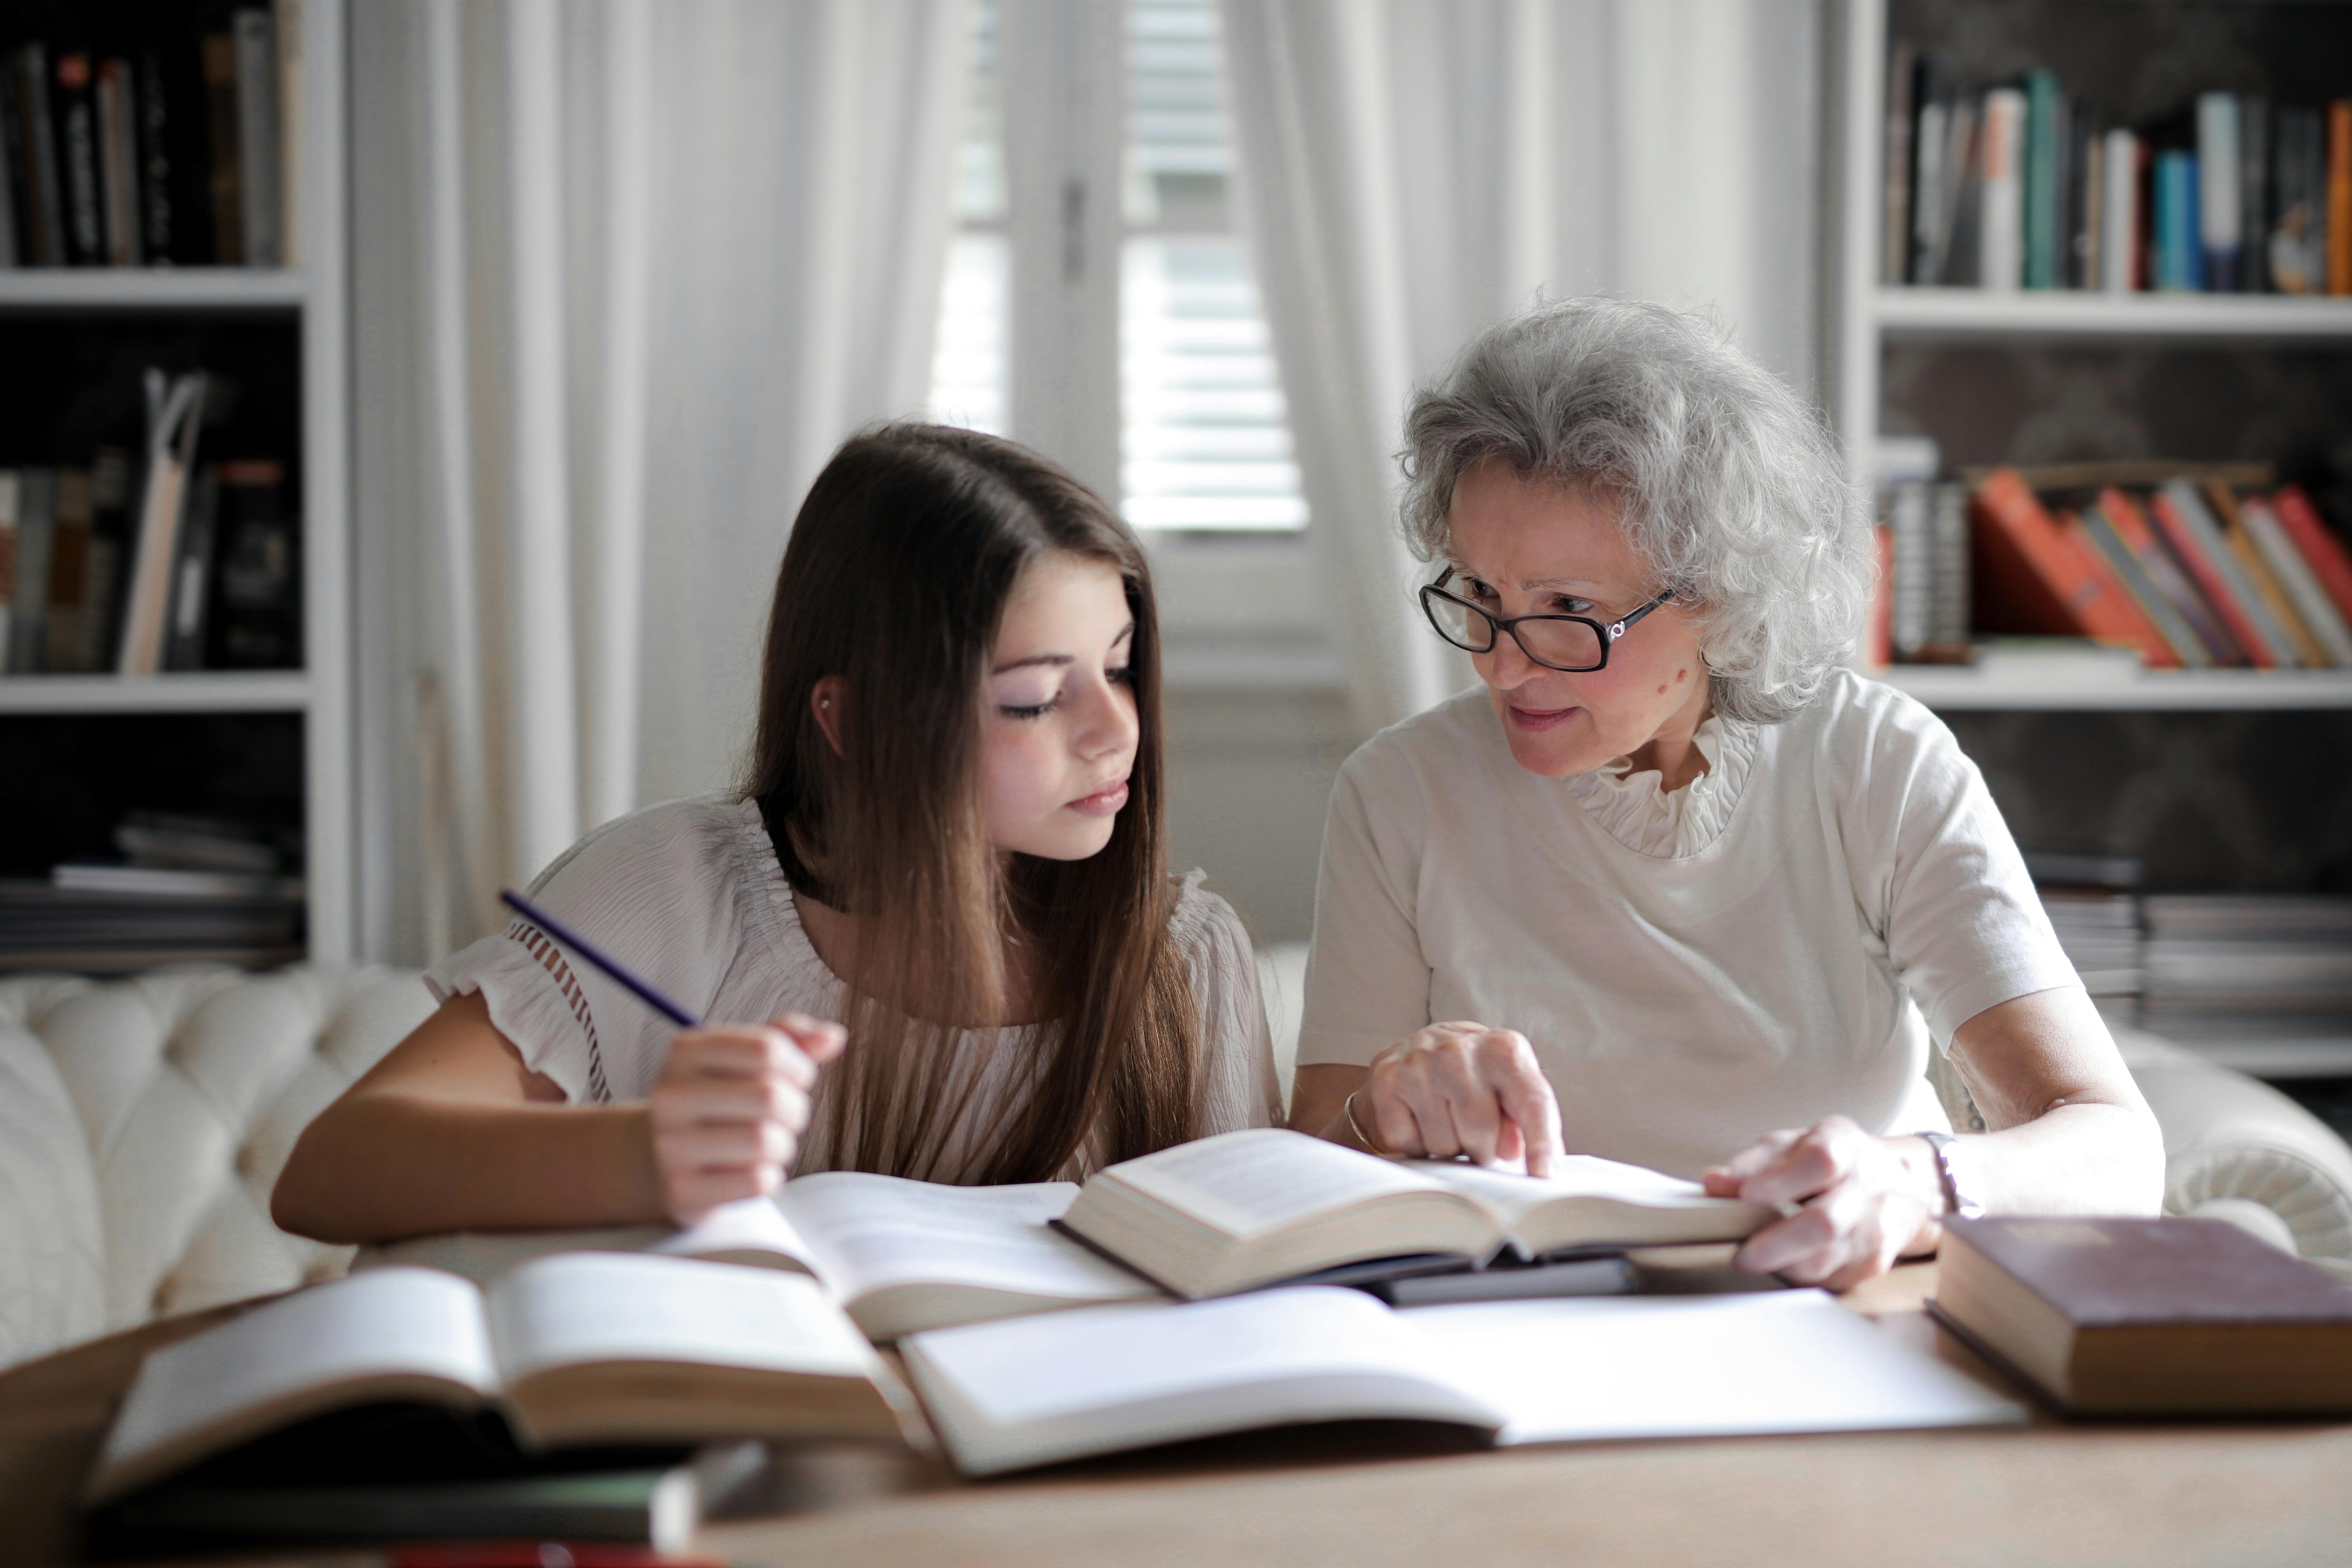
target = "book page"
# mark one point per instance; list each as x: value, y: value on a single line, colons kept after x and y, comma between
x: 391, y: 1320
x: 1510, y: 1193
x: 1245, y: 1183
x: 1028, y: 1391
x: 1670, y: 1366
x: 589, y: 1307
x: 747, y: 1231
x: 867, y: 1232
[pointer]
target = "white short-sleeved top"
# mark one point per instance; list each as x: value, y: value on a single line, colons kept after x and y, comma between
x: 690, y: 895
x: 1694, y: 969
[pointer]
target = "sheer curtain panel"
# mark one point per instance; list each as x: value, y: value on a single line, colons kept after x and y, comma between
x: 625, y: 273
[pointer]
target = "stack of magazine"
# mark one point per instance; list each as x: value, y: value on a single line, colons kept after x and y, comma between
x: 2093, y: 904
x: 187, y: 889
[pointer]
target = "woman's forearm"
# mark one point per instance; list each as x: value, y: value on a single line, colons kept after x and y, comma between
x: 376, y: 1167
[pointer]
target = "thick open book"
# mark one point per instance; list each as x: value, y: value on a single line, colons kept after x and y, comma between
x: 895, y: 1255
x: 1004, y: 1396
x: 1244, y: 1209
x: 586, y: 1349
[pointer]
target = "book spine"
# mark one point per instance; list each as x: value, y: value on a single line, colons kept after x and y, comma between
x: 2131, y: 525
x: 2272, y: 598
x: 220, y: 99
x: 2339, y: 197
x: 2297, y: 577
x: 2179, y: 248
x: 183, y: 647
x: 158, y: 232
x: 47, y: 201
x: 256, y: 134
x: 118, y: 162
x: 2254, y: 193
x: 1948, y: 619
x: 2044, y: 135
x: 2298, y: 217
x: 28, y: 635
x: 1912, y: 598
x: 287, y: 19
x: 2218, y: 157
x: 75, y: 104
x: 2026, y: 579
x: 2178, y: 515
x: 2078, y: 233
x: 2187, y: 647
x: 12, y: 183
x: 2000, y: 216
x: 1879, y: 649
x: 66, y: 649
x: 1901, y: 66
x: 2092, y: 268
x: 2320, y: 548
x: 7, y: 560
x: 2119, y: 222
x: 2110, y: 614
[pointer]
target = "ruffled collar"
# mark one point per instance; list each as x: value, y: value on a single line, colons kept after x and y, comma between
x: 1637, y: 812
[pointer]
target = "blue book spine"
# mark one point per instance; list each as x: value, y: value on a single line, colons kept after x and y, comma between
x: 2179, y: 245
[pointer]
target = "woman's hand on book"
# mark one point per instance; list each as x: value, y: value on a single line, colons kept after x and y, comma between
x: 1859, y: 1201
x: 1462, y: 1089
x: 729, y: 1108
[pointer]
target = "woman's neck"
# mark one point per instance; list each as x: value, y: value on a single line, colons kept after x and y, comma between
x: 1674, y: 752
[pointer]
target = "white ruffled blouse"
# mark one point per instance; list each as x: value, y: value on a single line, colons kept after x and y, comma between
x: 1637, y: 812
x: 690, y: 895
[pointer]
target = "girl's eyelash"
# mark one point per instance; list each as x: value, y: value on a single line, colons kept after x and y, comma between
x: 1036, y: 711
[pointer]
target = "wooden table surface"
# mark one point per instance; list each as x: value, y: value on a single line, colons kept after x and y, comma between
x: 1370, y: 1495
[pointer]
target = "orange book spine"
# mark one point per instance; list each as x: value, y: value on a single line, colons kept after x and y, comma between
x: 2339, y: 197
x: 2123, y: 515
x: 1879, y: 648
x: 2320, y: 548
x: 2210, y: 582
x: 2112, y: 614
x: 2027, y: 579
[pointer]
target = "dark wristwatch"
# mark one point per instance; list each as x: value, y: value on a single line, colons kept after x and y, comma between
x: 1961, y: 1200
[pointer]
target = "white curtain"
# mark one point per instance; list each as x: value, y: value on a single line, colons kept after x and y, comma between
x: 1413, y: 170
x: 625, y: 273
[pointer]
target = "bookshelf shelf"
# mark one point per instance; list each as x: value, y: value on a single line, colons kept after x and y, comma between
x: 1912, y: 312
x: 1957, y: 687
x: 152, y: 289
x: 261, y: 691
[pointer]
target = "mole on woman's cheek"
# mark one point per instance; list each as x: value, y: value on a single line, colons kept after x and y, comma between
x: 1662, y: 691
x: 1680, y: 676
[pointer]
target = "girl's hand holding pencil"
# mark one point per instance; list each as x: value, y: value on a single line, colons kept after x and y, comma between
x: 729, y: 1108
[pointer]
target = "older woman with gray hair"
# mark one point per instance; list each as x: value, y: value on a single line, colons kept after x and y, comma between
x: 1673, y: 877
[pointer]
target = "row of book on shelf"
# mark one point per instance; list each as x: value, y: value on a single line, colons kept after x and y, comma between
x: 163, y: 566
x: 2205, y: 969
x: 177, y: 888
x: 2025, y: 186
x: 167, y: 151
x: 2193, y: 572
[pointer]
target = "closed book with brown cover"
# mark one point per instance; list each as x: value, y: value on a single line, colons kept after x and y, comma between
x: 2149, y: 1316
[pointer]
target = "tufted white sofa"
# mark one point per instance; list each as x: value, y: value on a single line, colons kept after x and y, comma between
x: 144, y: 1122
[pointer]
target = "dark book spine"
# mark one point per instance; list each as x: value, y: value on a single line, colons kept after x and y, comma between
x: 119, y: 161
x: 255, y: 618
x: 228, y: 200
x: 13, y: 171
x: 2255, y: 193
x: 2081, y: 231
x: 74, y: 101
x: 151, y: 115
x: 48, y: 243
x: 183, y: 629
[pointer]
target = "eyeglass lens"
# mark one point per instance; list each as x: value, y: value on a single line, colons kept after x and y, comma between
x: 1570, y: 644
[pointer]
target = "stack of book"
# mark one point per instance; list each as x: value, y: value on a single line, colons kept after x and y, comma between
x: 2262, y: 976
x: 2093, y: 906
x: 2021, y: 185
x: 188, y: 889
x: 2186, y: 566
x: 164, y: 564
x: 153, y: 151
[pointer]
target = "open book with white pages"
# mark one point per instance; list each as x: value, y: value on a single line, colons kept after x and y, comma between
x: 895, y: 1255
x: 1009, y: 1395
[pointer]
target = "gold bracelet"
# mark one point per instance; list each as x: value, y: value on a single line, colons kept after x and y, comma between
x: 1347, y: 1109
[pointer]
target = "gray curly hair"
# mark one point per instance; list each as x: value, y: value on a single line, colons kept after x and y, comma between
x: 1732, y: 488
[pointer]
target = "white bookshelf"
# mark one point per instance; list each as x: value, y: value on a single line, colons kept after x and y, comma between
x: 313, y: 297
x: 1863, y: 315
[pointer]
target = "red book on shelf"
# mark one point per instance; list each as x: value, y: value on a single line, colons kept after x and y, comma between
x: 2031, y: 578
x: 2183, y: 544
x: 2319, y: 543
x: 2339, y: 197
x: 2114, y: 614
x: 1879, y: 648
x: 2130, y: 524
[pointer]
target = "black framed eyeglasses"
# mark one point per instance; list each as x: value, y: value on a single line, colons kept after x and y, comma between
x: 1575, y: 644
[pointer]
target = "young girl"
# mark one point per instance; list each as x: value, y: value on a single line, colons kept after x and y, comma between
x: 951, y: 841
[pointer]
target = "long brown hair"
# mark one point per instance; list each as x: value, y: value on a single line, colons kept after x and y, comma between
x: 895, y: 580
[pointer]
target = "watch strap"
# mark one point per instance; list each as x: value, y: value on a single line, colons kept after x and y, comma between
x: 1960, y: 1201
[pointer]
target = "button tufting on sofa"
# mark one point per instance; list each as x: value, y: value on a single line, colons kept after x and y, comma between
x: 143, y: 1124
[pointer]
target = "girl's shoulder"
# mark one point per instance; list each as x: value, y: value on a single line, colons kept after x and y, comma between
x: 699, y: 860
x: 1201, y: 922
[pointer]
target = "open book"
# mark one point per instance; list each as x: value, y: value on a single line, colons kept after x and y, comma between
x: 1244, y: 1209
x: 1007, y: 1395
x: 589, y: 1348
x: 897, y: 1255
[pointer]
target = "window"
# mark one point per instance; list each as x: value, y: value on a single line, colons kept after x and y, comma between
x: 1200, y: 435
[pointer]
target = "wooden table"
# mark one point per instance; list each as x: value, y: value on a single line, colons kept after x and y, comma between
x: 1367, y: 1495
